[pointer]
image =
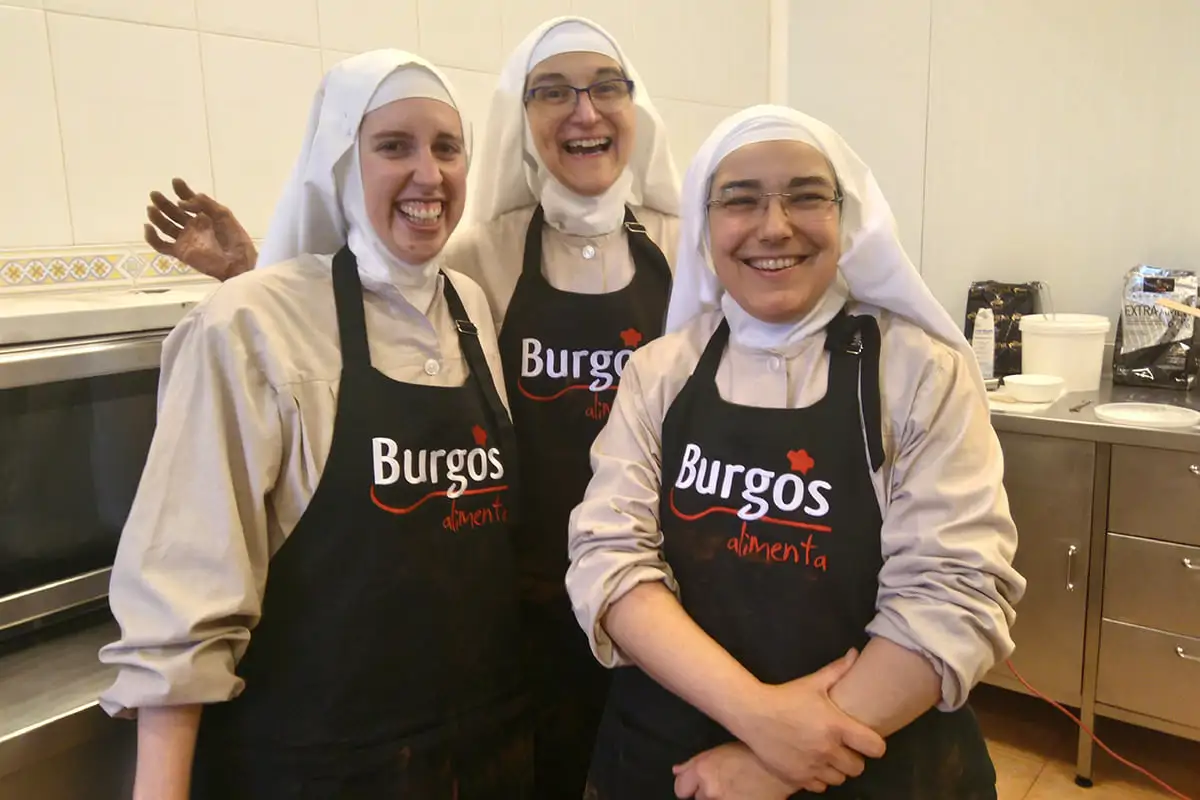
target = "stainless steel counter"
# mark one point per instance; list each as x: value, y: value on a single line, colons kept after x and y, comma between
x: 1062, y: 421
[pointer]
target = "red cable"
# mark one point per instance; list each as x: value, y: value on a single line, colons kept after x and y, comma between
x: 1096, y: 739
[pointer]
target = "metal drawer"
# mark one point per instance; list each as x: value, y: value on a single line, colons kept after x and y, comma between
x: 1154, y: 584
x: 1150, y: 672
x: 1155, y: 494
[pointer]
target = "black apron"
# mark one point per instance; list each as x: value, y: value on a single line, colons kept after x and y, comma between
x: 387, y: 661
x: 772, y: 527
x: 562, y: 352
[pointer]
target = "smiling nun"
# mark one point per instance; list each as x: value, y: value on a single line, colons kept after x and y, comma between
x: 796, y: 549
x: 316, y: 586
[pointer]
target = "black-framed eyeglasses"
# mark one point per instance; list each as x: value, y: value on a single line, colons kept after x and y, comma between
x: 606, y: 95
x: 805, y: 203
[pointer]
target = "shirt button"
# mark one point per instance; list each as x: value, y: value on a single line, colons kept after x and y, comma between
x: 589, y: 252
x: 776, y: 363
x: 432, y: 367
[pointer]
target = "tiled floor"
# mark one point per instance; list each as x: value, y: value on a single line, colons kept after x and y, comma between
x: 1033, y: 747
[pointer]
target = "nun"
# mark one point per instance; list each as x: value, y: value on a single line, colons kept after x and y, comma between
x: 796, y: 549
x: 576, y: 221
x: 316, y: 586
x: 578, y: 197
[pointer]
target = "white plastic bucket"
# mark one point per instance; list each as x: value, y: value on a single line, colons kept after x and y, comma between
x: 1070, y: 346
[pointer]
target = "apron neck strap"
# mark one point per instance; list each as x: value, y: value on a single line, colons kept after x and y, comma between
x: 351, y: 318
x: 854, y: 343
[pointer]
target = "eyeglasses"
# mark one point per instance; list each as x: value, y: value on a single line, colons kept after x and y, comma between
x: 800, y: 206
x: 606, y: 95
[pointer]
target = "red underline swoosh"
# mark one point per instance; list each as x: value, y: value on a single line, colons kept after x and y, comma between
x: 554, y: 396
x: 808, y: 526
x: 443, y: 493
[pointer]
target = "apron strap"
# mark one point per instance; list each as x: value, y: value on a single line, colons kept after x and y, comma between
x: 468, y: 340
x: 854, y: 343
x: 351, y: 318
x: 640, y: 244
x: 710, y: 359
x: 531, y: 264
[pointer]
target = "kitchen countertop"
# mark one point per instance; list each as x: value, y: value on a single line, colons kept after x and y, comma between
x: 51, y: 316
x: 48, y: 691
x: 1063, y: 421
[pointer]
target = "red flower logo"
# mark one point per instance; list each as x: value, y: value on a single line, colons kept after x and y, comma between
x: 480, y: 436
x: 631, y: 337
x: 801, y: 461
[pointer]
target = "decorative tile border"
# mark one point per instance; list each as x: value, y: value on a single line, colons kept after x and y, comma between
x: 76, y: 268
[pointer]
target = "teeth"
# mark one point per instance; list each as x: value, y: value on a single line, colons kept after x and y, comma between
x: 773, y: 264
x: 422, y: 210
x: 587, y: 144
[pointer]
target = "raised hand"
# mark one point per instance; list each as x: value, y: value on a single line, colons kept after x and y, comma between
x: 200, y: 232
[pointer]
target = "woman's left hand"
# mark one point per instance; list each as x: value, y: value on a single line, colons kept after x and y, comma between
x: 729, y: 772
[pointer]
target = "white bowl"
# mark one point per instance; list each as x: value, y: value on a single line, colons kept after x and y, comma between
x: 1034, y: 388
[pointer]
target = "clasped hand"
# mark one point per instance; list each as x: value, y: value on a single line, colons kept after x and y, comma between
x: 793, y: 737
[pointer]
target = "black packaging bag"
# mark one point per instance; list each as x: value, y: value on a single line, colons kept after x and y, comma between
x: 1009, y: 302
x: 1156, y: 346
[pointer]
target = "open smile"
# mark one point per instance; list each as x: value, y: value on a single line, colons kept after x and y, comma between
x: 421, y: 213
x: 775, y: 263
x: 586, y: 148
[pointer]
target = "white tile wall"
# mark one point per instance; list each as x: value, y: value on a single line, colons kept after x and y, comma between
x: 1070, y: 163
x: 293, y: 21
x: 521, y: 17
x: 258, y: 95
x: 862, y: 66
x: 688, y: 125
x: 175, y: 13
x: 217, y: 91
x: 33, y: 202
x: 359, y: 25
x: 462, y: 33
x: 131, y: 104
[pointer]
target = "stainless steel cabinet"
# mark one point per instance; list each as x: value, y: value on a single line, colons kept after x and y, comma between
x: 1050, y: 490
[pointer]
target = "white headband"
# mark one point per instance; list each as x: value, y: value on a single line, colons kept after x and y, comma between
x: 572, y: 37
x: 407, y: 83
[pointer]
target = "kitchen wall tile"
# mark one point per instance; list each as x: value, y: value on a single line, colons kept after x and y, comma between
x: 33, y: 203
x: 879, y: 99
x: 520, y: 17
x: 360, y: 25
x: 258, y: 96
x: 474, y: 90
x: 127, y: 128
x: 1070, y: 164
x: 329, y: 58
x: 292, y: 21
x: 688, y: 125
x: 55, y: 269
x: 174, y: 13
x: 461, y: 33
x: 619, y: 18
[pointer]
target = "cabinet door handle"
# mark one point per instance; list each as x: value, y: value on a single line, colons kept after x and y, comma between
x: 1187, y: 562
x: 1195, y: 469
x: 1179, y: 651
x: 1071, y: 551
